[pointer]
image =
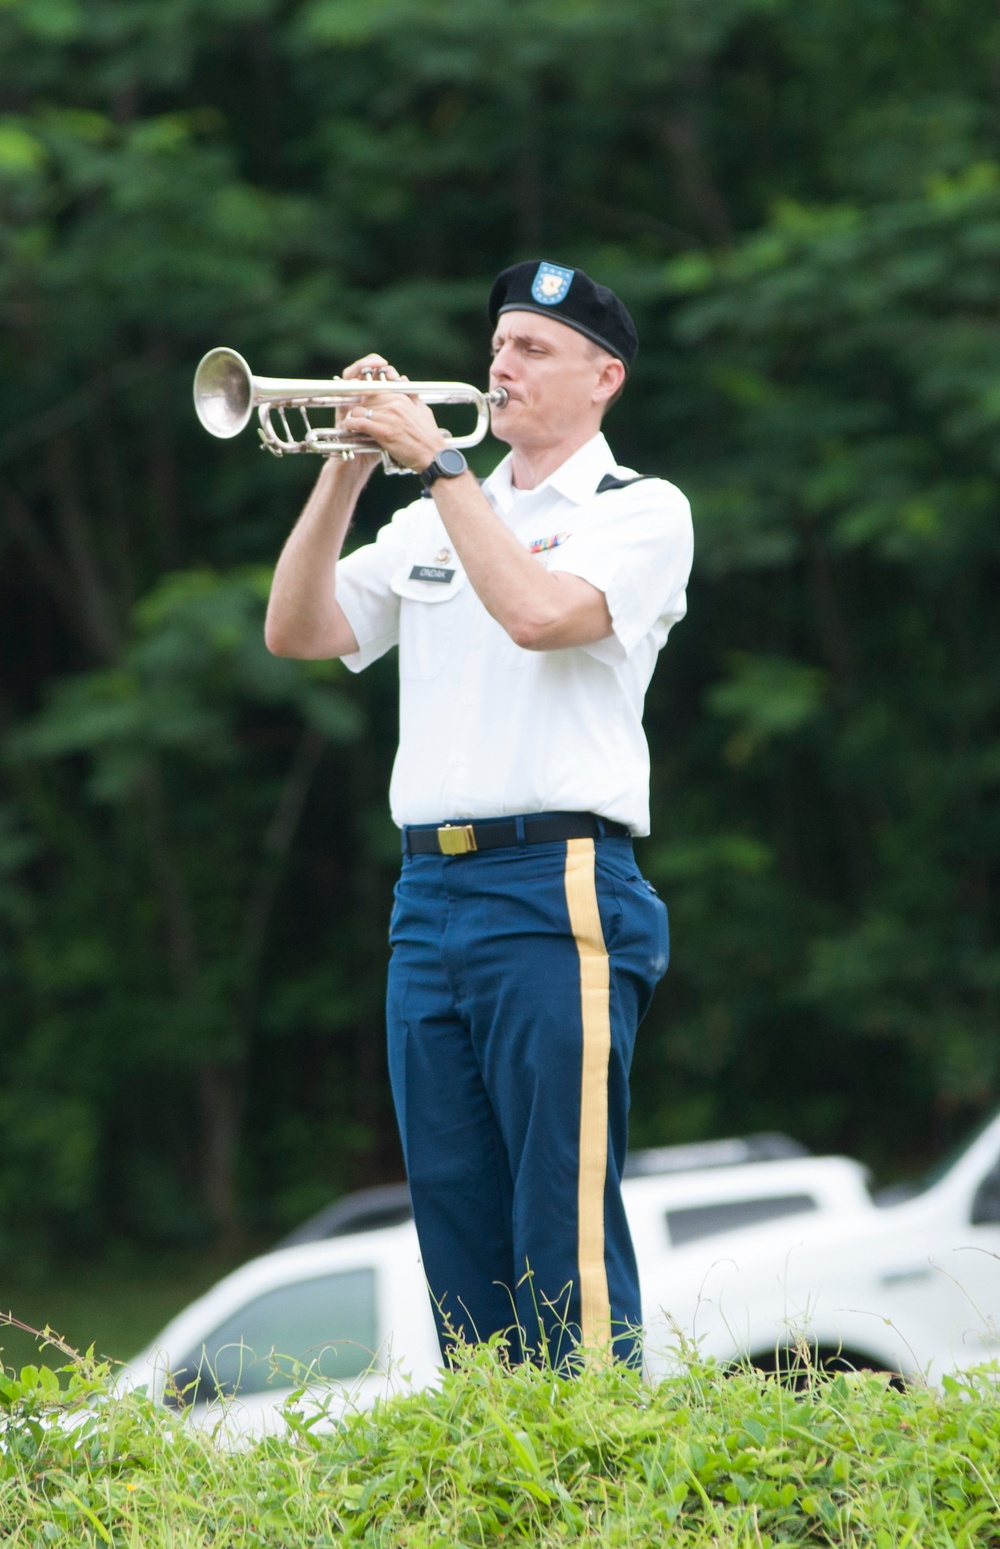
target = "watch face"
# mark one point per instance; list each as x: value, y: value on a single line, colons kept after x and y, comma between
x: 451, y: 462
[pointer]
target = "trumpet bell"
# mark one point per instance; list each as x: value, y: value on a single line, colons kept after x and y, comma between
x: 223, y: 393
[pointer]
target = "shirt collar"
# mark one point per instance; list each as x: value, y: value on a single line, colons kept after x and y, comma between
x: 576, y: 479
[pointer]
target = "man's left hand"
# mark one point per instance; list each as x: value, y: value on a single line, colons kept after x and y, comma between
x: 403, y: 426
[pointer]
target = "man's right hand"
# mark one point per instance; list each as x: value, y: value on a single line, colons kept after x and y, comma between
x: 378, y: 367
x: 372, y: 363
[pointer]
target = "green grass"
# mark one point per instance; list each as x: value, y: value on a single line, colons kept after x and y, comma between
x: 521, y: 1458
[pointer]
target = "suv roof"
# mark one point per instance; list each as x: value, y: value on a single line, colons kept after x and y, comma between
x: 703, y: 1154
x: 388, y: 1204
x: 366, y: 1210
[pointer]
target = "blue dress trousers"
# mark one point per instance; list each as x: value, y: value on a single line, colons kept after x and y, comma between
x: 517, y: 980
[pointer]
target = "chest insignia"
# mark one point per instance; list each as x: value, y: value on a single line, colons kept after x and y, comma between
x: 542, y: 545
x: 431, y: 573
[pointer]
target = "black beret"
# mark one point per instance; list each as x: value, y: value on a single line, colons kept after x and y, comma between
x: 571, y: 297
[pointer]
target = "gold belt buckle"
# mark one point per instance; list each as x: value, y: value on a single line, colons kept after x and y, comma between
x: 456, y: 839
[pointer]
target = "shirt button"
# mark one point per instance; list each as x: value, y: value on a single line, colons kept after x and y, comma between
x: 466, y: 700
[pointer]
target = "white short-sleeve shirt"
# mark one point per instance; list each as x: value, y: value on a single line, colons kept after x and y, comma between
x: 487, y: 729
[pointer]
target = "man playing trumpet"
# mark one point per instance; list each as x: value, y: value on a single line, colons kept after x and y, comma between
x: 528, y: 614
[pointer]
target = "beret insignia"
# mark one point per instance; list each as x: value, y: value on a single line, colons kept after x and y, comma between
x: 551, y: 284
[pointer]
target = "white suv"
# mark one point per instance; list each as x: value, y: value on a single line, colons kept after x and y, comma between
x: 354, y: 1306
x: 908, y: 1283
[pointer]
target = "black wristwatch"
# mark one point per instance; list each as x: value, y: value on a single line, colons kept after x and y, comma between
x: 448, y: 464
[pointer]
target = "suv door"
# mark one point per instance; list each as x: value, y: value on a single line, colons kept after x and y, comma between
x: 318, y: 1328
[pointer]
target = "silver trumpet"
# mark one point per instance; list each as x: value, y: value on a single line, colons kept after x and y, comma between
x: 226, y: 393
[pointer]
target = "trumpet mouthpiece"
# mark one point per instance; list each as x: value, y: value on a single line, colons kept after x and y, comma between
x: 497, y: 398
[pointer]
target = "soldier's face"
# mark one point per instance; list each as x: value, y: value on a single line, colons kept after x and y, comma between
x: 552, y: 376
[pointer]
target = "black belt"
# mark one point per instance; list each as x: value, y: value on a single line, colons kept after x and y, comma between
x: 494, y: 833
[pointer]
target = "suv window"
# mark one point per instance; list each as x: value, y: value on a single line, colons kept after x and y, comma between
x: 327, y: 1324
x: 694, y: 1221
x: 986, y: 1200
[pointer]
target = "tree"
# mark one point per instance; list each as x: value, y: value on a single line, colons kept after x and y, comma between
x: 799, y: 203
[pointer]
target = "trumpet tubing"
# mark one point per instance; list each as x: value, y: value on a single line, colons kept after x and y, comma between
x: 226, y: 393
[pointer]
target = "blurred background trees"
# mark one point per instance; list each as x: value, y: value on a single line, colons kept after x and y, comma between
x: 801, y: 204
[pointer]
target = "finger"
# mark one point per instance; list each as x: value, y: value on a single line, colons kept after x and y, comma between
x: 382, y: 372
x: 366, y: 363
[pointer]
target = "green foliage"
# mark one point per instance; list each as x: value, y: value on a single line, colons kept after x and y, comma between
x: 184, y: 688
x: 801, y: 204
x: 169, y: 738
x: 851, y: 356
x: 502, y: 1457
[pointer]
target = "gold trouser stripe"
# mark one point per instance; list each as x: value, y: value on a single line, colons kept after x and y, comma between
x: 595, y: 998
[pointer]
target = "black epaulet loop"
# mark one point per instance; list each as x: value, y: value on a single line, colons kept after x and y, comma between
x: 612, y: 481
